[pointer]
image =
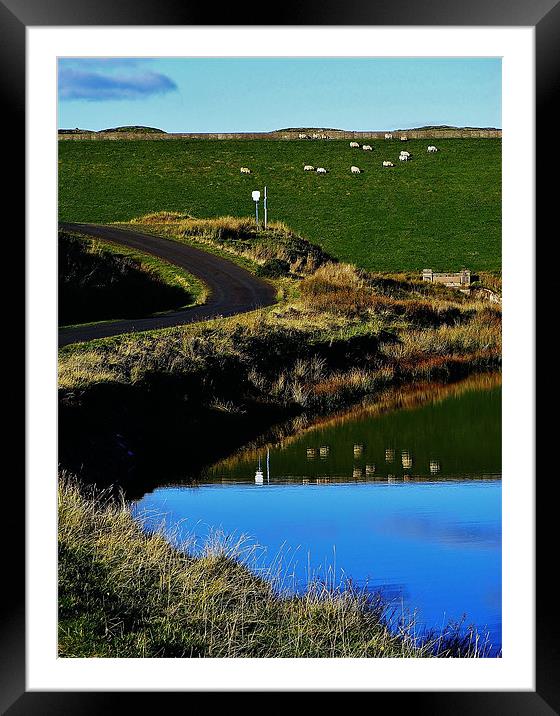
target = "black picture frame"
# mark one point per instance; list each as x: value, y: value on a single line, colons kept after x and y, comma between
x: 15, y: 16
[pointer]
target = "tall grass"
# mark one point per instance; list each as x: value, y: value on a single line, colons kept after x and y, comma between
x: 125, y: 592
x: 344, y: 290
x: 276, y: 246
x: 340, y: 334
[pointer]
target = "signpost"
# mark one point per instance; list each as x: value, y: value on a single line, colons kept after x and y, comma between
x: 256, y: 196
x: 265, y: 209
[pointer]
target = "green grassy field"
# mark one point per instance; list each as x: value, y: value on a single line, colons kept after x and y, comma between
x: 441, y: 211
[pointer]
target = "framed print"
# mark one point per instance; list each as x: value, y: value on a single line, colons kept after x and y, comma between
x: 268, y: 415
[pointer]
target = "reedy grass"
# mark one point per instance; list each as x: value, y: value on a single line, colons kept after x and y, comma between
x: 126, y: 592
x: 238, y: 236
x: 338, y: 334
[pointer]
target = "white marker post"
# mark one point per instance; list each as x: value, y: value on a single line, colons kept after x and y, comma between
x: 265, y: 209
x: 256, y: 196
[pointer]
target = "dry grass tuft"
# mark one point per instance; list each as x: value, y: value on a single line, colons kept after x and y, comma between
x: 240, y: 237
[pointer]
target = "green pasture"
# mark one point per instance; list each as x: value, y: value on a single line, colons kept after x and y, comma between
x: 441, y: 211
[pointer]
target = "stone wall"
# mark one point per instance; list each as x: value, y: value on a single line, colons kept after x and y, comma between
x: 292, y: 135
x: 459, y: 278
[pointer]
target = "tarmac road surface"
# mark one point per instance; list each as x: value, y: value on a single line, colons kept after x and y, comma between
x: 232, y: 289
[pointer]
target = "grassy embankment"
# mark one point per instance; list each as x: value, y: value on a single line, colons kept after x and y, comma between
x: 338, y: 334
x: 99, y: 281
x: 441, y: 211
x: 140, y: 597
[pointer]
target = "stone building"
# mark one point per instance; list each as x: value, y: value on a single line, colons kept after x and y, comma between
x: 461, y: 279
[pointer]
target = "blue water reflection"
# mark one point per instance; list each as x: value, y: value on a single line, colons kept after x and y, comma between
x: 430, y: 542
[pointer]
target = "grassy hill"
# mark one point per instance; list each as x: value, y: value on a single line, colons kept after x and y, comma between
x: 441, y: 211
x: 135, y: 129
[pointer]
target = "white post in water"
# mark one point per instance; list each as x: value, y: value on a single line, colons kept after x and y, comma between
x: 268, y: 463
x: 265, y: 209
x: 256, y: 196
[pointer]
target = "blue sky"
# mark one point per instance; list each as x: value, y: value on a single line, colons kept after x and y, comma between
x: 262, y: 94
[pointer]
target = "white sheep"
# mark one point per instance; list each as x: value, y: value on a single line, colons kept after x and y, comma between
x: 403, y: 157
x: 321, y: 170
x: 308, y: 168
x: 355, y: 170
x: 388, y: 164
x: 404, y: 138
x: 404, y: 154
x: 432, y: 149
x: 388, y: 136
x: 367, y: 148
x: 245, y: 170
x: 354, y: 145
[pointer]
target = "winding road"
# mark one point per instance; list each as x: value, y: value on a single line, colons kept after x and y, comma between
x: 232, y: 289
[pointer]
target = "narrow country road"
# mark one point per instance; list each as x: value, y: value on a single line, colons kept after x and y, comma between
x: 232, y: 289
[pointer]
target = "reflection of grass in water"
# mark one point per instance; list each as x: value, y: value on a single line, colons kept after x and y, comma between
x: 408, y: 397
x: 128, y: 593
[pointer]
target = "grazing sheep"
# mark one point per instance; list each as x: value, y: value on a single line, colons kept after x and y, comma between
x: 245, y: 170
x: 404, y: 138
x: 388, y: 164
x: 367, y: 148
x: 321, y: 170
x: 432, y: 149
x: 355, y: 170
x: 308, y: 168
x: 405, y: 154
x: 388, y: 136
x: 403, y: 157
x: 354, y: 145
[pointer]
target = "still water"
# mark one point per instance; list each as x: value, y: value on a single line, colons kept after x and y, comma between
x: 405, y: 502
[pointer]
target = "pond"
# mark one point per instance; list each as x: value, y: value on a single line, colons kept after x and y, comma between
x: 405, y: 502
